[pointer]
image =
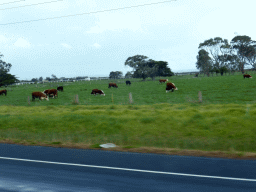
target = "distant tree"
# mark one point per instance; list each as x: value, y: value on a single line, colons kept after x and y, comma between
x: 163, y: 69
x: 54, y: 76
x: 115, y: 74
x: 128, y: 75
x: 5, y: 77
x: 251, y: 55
x: 138, y: 63
x: 244, y: 47
x: 217, y: 47
x: 48, y: 78
x: 204, y: 62
x: 34, y: 80
x: 40, y: 78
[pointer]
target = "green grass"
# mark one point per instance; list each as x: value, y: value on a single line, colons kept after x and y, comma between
x: 224, y: 121
x: 216, y: 89
x: 206, y: 127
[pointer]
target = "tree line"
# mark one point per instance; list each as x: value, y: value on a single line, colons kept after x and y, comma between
x: 144, y: 68
x: 217, y: 55
x: 214, y: 55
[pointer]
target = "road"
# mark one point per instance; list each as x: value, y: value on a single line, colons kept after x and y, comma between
x: 48, y: 169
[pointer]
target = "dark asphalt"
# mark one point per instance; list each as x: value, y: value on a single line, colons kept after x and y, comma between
x: 34, y: 176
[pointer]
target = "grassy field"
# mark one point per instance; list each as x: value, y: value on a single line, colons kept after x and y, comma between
x: 156, y: 121
x: 215, y: 90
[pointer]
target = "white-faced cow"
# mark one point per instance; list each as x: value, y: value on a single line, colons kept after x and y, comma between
x: 112, y: 85
x: 39, y: 95
x: 97, y: 91
x: 128, y: 82
x: 247, y: 76
x: 170, y: 86
x: 3, y: 92
x: 51, y: 92
x: 163, y: 81
x: 60, y: 88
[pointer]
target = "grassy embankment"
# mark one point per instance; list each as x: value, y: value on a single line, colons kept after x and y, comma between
x: 224, y: 121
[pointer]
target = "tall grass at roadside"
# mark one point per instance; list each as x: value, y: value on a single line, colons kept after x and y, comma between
x: 223, y: 127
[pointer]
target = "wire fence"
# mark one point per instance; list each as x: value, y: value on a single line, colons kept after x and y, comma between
x: 93, y: 80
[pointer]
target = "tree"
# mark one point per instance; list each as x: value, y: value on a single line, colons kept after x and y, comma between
x: 158, y: 68
x: 115, y: 74
x: 40, y: 78
x: 138, y: 63
x: 251, y: 55
x: 218, y: 47
x: 143, y: 68
x: 34, y: 80
x: 128, y: 75
x: 48, y: 78
x: 5, y: 77
x: 243, y: 45
x: 204, y: 62
x: 163, y: 69
x: 54, y: 76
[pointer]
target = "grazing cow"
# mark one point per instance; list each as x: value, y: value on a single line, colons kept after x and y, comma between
x: 39, y: 95
x: 50, y: 92
x: 163, y: 80
x: 60, y: 88
x: 128, y: 82
x: 97, y: 91
x: 170, y: 86
x: 247, y: 76
x: 112, y: 85
x: 3, y: 92
x: 196, y: 75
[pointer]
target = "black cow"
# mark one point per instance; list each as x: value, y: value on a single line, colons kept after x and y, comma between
x: 128, y: 82
x: 60, y: 88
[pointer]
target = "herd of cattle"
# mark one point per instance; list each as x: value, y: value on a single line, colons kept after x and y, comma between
x: 54, y: 92
x: 46, y: 93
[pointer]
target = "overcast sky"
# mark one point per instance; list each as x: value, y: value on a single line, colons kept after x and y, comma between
x: 97, y: 43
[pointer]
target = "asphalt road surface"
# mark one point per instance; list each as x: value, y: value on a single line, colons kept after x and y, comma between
x: 47, y: 169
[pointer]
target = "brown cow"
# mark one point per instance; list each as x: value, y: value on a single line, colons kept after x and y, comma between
x: 112, y: 85
x: 3, y: 92
x: 39, y: 95
x: 170, y: 86
x: 97, y: 91
x: 163, y: 81
x: 51, y: 92
x: 247, y: 76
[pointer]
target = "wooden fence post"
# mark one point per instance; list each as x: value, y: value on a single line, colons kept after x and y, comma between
x: 130, y: 98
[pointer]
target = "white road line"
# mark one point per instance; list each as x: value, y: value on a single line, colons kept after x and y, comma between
x: 125, y: 169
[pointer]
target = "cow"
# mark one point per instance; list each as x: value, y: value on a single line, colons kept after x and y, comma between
x: 3, y: 92
x: 112, y: 85
x: 51, y: 92
x: 128, y: 82
x: 196, y: 75
x: 39, y: 95
x: 170, y: 86
x: 247, y: 76
x: 163, y: 81
x: 97, y: 91
x: 60, y: 88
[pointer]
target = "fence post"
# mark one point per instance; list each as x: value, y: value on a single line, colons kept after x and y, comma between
x: 130, y: 98
x: 200, y: 98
